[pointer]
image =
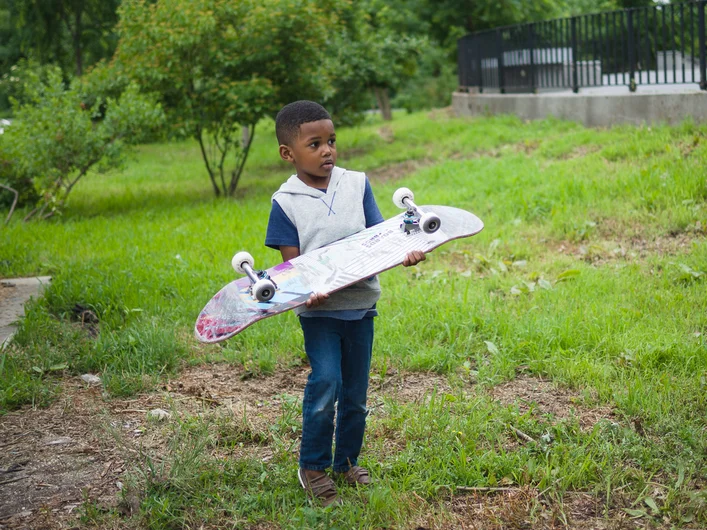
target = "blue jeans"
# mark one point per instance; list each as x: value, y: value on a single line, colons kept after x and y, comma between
x: 339, y: 353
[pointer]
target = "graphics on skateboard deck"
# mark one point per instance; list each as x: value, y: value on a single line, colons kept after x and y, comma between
x: 262, y: 294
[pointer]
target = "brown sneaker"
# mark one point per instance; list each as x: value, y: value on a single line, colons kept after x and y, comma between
x: 356, y: 475
x: 319, y: 485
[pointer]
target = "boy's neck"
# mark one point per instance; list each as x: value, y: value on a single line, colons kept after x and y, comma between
x: 320, y: 183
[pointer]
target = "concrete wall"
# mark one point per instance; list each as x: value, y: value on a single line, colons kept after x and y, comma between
x: 593, y: 110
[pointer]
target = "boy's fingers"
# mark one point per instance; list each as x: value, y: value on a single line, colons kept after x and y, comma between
x: 413, y: 258
x: 316, y: 299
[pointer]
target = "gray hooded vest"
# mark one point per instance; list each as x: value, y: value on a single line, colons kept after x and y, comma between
x: 324, y: 217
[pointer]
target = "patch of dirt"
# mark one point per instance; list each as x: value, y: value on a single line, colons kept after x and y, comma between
x: 546, y: 398
x: 688, y: 146
x: 444, y: 113
x: 352, y: 152
x: 398, y: 171
x: 79, y: 448
x: 525, y: 508
x: 630, y: 248
x: 260, y: 398
x: 579, y: 151
x: 52, y: 458
x: 386, y: 134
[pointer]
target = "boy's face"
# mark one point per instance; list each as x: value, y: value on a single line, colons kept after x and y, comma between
x: 313, y: 152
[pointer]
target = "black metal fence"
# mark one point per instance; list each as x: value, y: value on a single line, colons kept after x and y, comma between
x: 662, y: 44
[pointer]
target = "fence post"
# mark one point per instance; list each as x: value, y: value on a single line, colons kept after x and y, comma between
x: 480, y: 66
x: 461, y: 71
x: 703, y: 44
x: 631, y: 53
x: 499, y: 53
x: 575, y: 76
x: 531, y: 43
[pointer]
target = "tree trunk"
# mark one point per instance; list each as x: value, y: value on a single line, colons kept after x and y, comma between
x: 245, y: 133
x: 200, y: 138
x: 383, y: 100
x: 249, y: 133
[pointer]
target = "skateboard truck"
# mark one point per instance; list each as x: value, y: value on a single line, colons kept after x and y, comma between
x: 262, y: 288
x: 415, y: 217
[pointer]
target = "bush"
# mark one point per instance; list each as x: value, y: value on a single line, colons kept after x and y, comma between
x: 432, y: 85
x: 13, y: 177
x: 57, y: 137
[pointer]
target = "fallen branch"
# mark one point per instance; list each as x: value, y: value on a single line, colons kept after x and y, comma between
x: 13, y: 480
x: 16, y: 440
x: 14, y: 202
x: 484, y: 489
x: 521, y: 434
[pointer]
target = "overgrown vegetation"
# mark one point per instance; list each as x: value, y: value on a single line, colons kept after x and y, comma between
x: 590, y: 274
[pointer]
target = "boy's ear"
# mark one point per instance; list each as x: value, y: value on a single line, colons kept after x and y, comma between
x: 286, y: 153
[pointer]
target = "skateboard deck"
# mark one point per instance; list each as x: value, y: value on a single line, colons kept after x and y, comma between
x: 328, y: 269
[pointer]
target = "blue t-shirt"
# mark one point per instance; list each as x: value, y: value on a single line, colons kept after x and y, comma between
x: 282, y: 232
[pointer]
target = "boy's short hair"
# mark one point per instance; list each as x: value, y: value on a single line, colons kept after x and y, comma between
x: 291, y: 116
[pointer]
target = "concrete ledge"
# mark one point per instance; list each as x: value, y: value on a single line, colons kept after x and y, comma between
x: 14, y: 293
x: 593, y: 110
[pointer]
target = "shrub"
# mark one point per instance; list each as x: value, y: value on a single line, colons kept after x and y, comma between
x: 57, y: 137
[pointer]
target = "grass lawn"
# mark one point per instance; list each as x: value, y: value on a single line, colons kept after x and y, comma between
x: 550, y: 372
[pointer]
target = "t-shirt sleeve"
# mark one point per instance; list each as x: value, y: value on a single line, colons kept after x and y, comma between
x: 370, y: 208
x: 281, y: 231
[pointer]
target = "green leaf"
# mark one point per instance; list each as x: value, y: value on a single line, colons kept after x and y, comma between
x: 568, y: 274
x: 650, y: 502
x: 492, y: 348
x: 58, y: 367
x: 636, y: 514
x: 544, y: 284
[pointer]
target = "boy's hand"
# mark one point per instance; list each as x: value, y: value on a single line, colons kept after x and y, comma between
x: 413, y: 258
x: 316, y: 299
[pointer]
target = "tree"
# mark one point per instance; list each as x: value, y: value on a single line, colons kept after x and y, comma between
x: 371, y: 54
x: 220, y: 65
x: 56, y: 138
x: 69, y: 33
x: 582, y: 7
x: 448, y: 20
x: 9, y: 48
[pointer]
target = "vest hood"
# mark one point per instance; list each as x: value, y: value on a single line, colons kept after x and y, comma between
x: 294, y: 186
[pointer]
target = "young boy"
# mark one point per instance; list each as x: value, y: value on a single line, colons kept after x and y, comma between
x: 320, y: 204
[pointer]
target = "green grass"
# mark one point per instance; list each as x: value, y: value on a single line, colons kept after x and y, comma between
x: 591, y: 272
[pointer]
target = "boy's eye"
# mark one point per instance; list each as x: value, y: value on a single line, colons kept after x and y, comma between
x: 332, y: 141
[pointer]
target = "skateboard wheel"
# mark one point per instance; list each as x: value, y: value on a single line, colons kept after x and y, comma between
x: 430, y: 223
x: 239, y: 259
x: 401, y: 194
x: 263, y: 290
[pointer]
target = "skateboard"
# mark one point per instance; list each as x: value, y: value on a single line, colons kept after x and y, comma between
x: 261, y: 294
